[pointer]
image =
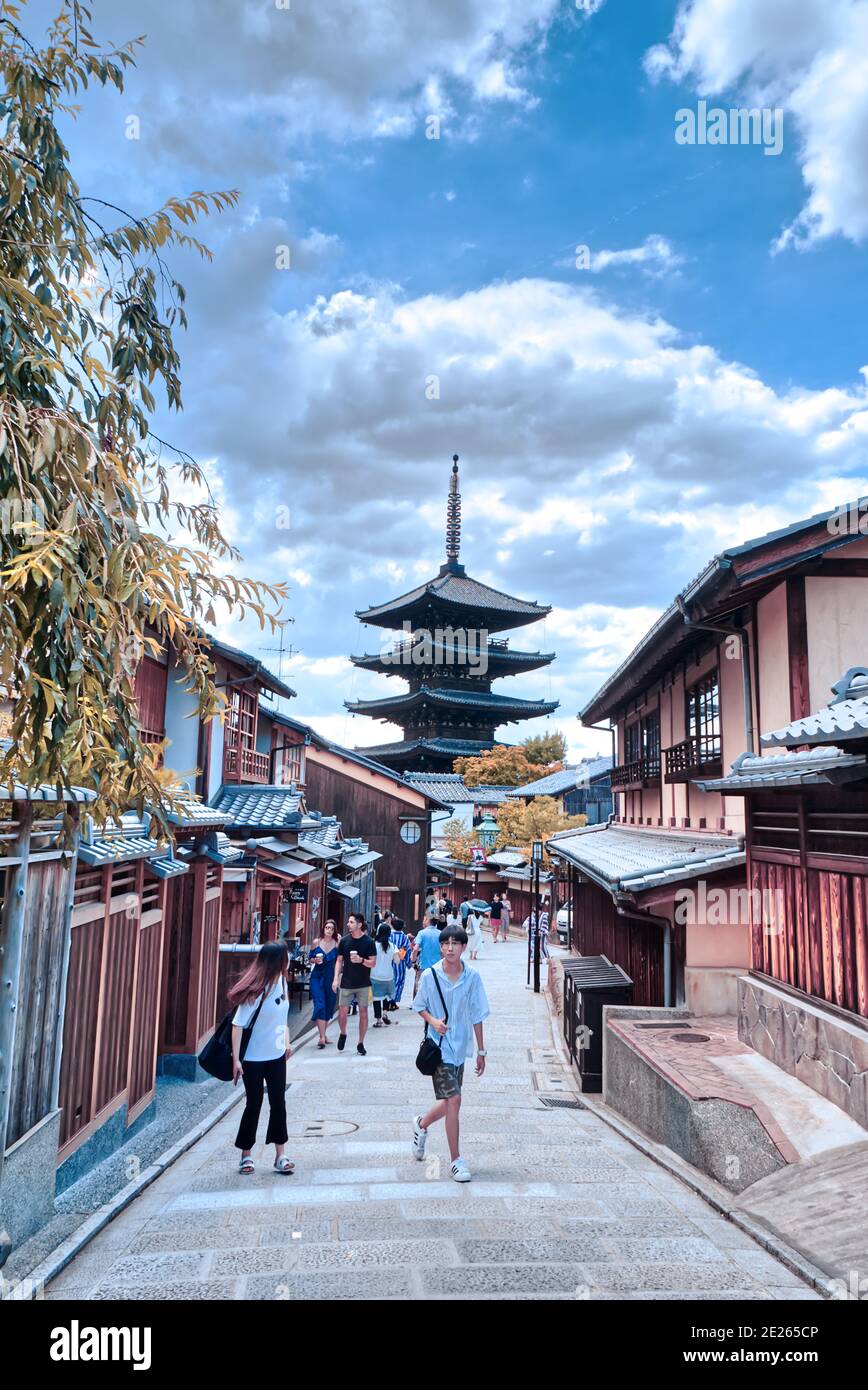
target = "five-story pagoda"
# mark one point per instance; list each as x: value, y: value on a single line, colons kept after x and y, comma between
x: 449, y: 660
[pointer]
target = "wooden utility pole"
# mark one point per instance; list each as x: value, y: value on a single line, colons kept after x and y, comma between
x: 11, y: 938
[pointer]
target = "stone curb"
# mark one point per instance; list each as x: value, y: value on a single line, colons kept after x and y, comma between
x: 42, y: 1274
x: 712, y: 1192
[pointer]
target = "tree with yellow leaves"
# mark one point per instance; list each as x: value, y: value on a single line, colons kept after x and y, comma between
x: 90, y: 577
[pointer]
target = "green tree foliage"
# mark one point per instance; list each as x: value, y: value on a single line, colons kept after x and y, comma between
x: 519, y: 824
x: 90, y: 577
x: 545, y: 749
x: 460, y: 841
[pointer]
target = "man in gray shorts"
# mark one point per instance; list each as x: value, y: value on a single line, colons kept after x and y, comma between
x: 356, y: 954
x: 453, y: 1003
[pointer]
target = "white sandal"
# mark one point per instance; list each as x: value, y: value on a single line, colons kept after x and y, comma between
x: 284, y: 1165
x: 247, y: 1165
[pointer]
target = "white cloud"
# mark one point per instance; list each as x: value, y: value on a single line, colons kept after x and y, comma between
x: 656, y: 256
x: 809, y: 58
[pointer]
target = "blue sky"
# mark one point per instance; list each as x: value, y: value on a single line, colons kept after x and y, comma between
x: 700, y: 383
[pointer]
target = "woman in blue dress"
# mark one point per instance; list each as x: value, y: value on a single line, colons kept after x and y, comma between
x: 321, y: 958
x: 403, y: 945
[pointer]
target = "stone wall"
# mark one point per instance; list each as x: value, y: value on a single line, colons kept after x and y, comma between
x: 826, y: 1052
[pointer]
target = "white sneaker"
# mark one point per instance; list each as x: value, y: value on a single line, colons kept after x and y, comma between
x: 420, y: 1139
x: 460, y: 1170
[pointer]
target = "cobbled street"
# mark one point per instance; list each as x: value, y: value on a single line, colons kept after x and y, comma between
x: 560, y: 1206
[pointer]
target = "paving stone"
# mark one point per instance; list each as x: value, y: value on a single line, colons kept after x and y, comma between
x: 386, y: 1284
x: 518, y: 1251
x: 764, y: 1267
x: 667, y: 1248
x: 303, y: 1229
x: 193, y: 1292
x: 195, y: 1238
x: 343, y: 1254
x: 146, y: 1268
x: 786, y: 1293
x: 610, y: 1228
x: 392, y: 1227
x: 503, y: 1279
x: 686, y: 1277
x: 263, y: 1260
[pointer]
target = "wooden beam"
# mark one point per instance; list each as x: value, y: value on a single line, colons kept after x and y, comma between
x: 11, y: 943
x: 797, y: 648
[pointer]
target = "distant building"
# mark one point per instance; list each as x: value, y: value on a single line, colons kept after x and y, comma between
x: 582, y: 790
x: 449, y: 661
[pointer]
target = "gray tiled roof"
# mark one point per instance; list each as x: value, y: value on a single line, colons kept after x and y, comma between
x: 846, y: 718
x: 271, y: 808
x: 825, y: 766
x: 19, y: 792
x: 566, y: 780
x: 452, y: 788
x: 454, y: 586
x: 479, y: 700
x: 453, y: 747
x: 625, y: 858
x: 116, y: 842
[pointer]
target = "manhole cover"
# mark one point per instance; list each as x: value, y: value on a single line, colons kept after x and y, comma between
x: 690, y: 1037
x: 321, y: 1129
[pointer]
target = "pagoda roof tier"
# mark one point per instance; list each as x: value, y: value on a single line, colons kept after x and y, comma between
x: 423, y: 753
x: 497, y: 707
x: 500, y: 660
x: 453, y: 598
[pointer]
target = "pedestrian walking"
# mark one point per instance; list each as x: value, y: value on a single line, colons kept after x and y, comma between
x: 321, y: 958
x: 475, y: 918
x: 427, y: 949
x: 464, y: 909
x: 453, y: 1003
x: 403, y: 944
x: 496, y: 919
x: 356, y: 956
x: 261, y: 998
x: 529, y: 925
x: 383, y: 976
x: 506, y: 913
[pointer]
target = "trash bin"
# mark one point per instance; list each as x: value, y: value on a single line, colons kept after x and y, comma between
x: 589, y: 983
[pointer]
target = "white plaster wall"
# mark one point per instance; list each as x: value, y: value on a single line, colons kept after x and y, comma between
x: 837, y: 612
x: 774, y: 660
x: 183, y: 732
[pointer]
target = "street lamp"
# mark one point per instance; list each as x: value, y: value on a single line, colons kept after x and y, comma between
x: 536, y: 855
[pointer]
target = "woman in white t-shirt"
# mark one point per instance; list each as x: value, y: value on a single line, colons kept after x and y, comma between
x: 383, y: 976
x: 262, y: 999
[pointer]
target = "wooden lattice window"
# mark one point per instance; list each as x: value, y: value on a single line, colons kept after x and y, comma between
x: 703, y: 718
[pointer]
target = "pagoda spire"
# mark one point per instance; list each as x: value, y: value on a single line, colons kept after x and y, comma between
x: 453, y: 516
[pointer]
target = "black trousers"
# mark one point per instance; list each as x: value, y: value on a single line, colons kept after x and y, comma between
x: 272, y: 1075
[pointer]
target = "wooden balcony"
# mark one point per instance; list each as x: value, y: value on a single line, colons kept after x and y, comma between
x: 635, y: 775
x: 699, y: 756
x: 244, y: 764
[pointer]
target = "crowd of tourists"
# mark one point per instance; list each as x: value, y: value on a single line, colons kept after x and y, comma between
x: 360, y: 969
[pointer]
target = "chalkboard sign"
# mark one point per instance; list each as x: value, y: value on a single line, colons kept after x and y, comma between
x: 298, y: 893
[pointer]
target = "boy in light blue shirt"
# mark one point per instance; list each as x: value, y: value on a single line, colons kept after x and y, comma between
x: 452, y: 1001
x: 428, y: 945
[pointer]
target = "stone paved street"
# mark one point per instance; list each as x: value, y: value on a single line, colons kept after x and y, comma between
x: 560, y: 1207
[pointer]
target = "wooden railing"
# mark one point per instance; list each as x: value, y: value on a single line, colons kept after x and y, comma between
x: 636, y: 773
x: 702, y: 751
x: 244, y: 764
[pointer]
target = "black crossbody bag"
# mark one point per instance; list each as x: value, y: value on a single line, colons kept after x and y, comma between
x: 216, y: 1055
x: 429, y: 1056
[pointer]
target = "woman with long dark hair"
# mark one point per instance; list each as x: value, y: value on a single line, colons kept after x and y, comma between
x: 383, y: 975
x: 262, y: 1000
x: 321, y: 958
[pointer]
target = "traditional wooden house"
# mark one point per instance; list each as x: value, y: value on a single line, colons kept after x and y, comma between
x: 803, y: 1003
x: 467, y: 805
x: 753, y: 641
x: 582, y: 790
x: 388, y: 811
x: 37, y: 876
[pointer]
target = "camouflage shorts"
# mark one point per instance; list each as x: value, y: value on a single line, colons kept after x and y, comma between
x: 447, y: 1080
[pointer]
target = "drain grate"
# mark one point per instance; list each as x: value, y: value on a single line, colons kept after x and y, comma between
x: 556, y: 1103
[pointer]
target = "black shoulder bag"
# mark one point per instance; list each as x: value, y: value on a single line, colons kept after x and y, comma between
x: 429, y: 1056
x: 216, y: 1055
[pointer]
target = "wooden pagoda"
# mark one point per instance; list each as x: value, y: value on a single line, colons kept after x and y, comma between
x: 449, y: 660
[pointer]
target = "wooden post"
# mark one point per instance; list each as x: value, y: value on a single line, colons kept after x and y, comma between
x: 11, y: 940
x: 64, y: 969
